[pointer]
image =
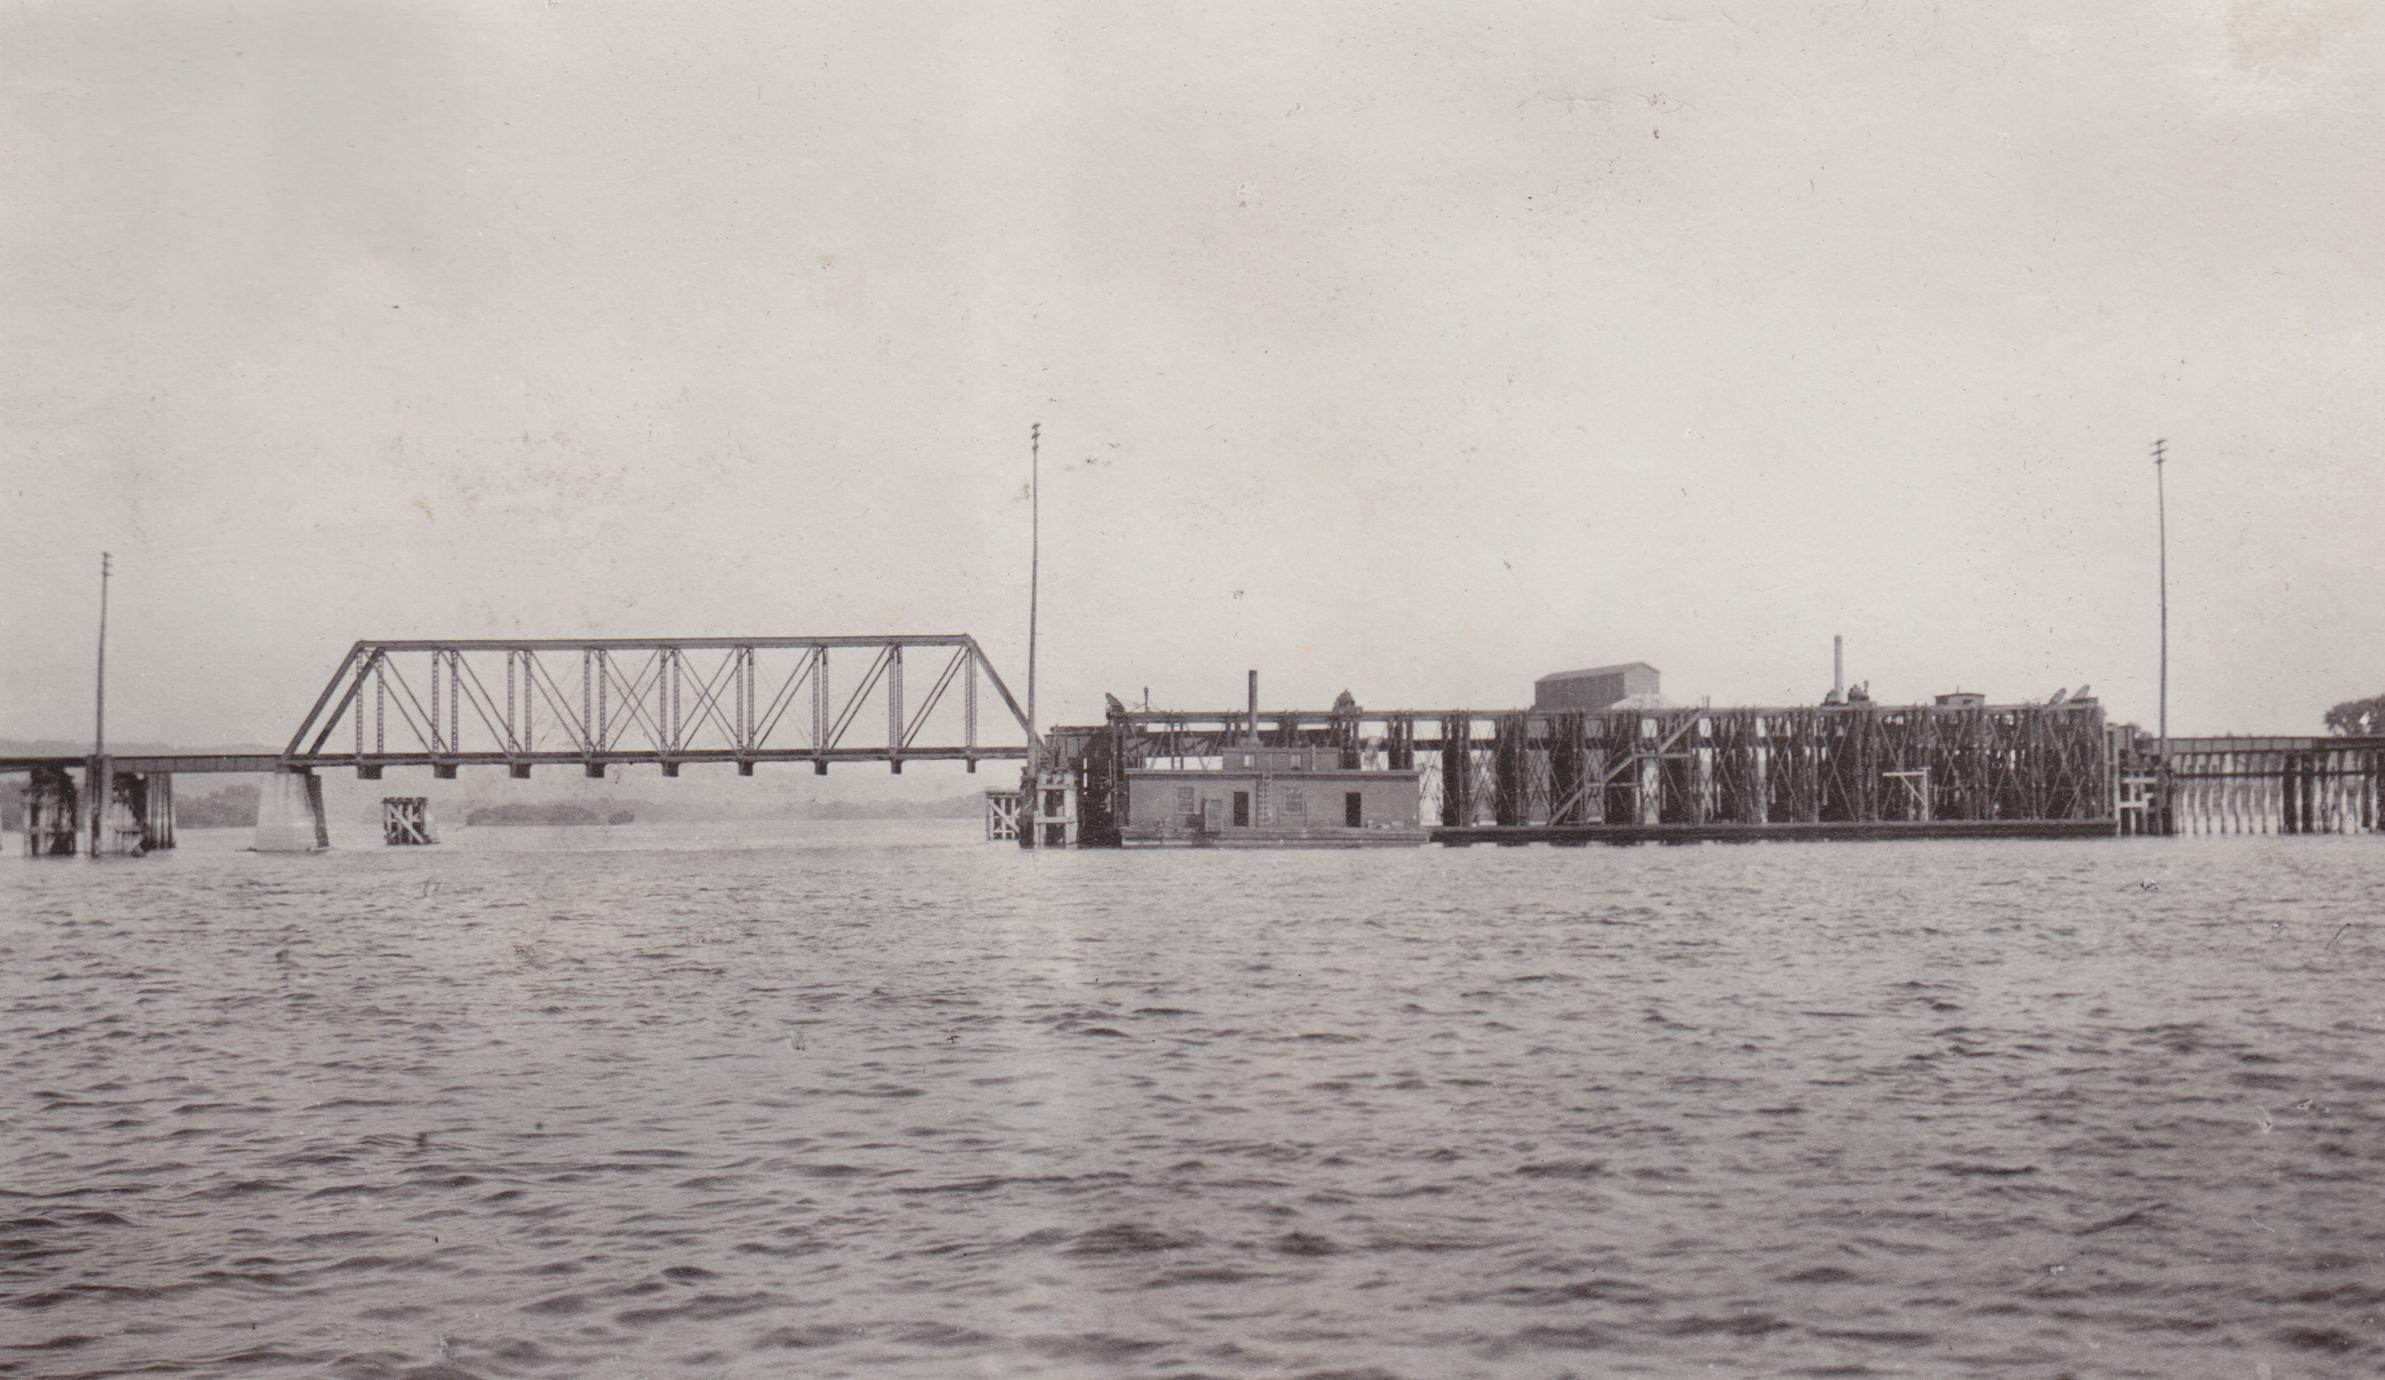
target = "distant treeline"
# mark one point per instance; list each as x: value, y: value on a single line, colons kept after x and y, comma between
x: 699, y: 810
x: 547, y: 812
x: 953, y: 807
x: 696, y: 808
x: 2358, y: 718
x: 233, y: 807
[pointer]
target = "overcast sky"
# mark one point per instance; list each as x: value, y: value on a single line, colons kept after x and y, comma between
x: 1418, y: 349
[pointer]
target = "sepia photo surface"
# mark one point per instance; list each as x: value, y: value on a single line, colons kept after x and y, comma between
x: 1345, y: 690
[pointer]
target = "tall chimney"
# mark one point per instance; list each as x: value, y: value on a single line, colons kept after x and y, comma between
x: 1838, y: 667
x: 1254, y: 708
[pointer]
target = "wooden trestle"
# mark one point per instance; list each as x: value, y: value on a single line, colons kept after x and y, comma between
x: 1630, y: 775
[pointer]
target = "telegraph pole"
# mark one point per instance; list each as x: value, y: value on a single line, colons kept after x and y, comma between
x: 1034, y: 562
x: 99, y: 728
x: 2161, y: 508
x: 98, y: 781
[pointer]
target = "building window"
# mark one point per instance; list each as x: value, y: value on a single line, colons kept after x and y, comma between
x: 1242, y: 809
x: 1295, y: 803
x: 1184, y: 801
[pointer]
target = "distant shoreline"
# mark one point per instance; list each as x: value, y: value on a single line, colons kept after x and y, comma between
x: 543, y: 813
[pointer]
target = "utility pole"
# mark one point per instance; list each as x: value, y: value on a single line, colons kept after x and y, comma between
x: 1034, y: 564
x: 2161, y: 508
x: 98, y: 781
x: 99, y: 728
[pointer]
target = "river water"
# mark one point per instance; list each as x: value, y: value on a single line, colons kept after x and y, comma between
x: 887, y: 1100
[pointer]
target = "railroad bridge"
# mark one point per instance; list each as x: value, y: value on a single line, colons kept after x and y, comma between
x: 1501, y: 776
x: 591, y: 703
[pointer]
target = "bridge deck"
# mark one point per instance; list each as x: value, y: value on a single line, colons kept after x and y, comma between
x: 249, y: 762
x: 174, y: 763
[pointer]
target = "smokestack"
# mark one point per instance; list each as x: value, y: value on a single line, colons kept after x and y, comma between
x: 1838, y: 668
x: 1254, y: 708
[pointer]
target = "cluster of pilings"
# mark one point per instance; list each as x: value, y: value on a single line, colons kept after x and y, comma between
x: 2275, y: 785
x: 406, y: 821
x: 133, y: 815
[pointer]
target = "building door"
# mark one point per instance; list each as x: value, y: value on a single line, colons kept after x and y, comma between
x: 1354, y: 810
x: 1242, y: 809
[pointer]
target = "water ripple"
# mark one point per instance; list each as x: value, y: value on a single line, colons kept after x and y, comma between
x: 885, y: 1101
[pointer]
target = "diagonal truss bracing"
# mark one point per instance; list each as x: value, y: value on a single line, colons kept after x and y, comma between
x: 609, y: 701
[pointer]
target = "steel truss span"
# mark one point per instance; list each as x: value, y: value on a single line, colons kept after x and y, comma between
x: 604, y: 702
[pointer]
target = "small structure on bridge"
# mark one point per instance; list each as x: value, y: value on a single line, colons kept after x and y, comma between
x: 406, y: 821
x: 1260, y: 797
x: 1594, y: 687
x: 1120, y: 785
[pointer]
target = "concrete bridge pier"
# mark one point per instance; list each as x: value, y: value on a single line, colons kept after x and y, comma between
x: 290, y: 814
